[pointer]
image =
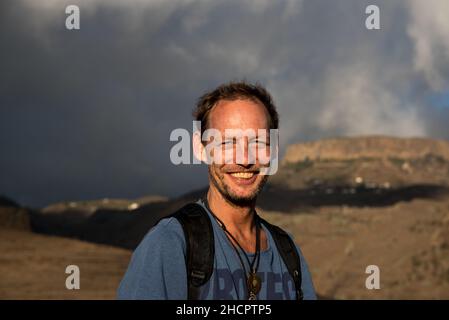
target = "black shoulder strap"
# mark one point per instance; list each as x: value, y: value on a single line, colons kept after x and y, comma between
x: 289, y: 254
x: 200, y: 246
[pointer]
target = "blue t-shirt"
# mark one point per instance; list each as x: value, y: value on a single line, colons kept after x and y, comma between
x: 158, y: 270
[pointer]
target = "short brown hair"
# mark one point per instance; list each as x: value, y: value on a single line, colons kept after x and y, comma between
x: 233, y: 91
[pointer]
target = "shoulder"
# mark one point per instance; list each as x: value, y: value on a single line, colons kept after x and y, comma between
x: 157, y: 264
x: 167, y: 233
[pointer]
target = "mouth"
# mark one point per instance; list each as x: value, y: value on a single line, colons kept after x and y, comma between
x: 243, y: 178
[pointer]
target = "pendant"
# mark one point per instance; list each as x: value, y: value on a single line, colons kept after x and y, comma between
x: 254, y: 285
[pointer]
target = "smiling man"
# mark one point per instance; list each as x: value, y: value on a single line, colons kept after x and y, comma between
x: 218, y: 247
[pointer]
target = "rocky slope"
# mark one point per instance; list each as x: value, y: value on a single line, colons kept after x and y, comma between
x: 370, y: 162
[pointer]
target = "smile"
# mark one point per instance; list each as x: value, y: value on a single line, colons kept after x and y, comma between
x: 243, y: 175
x: 243, y: 178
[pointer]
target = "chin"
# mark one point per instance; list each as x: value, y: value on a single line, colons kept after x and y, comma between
x: 246, y: 196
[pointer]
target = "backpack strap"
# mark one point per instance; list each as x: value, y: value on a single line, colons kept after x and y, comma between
x: 200, y: 246
x: 289, y: 254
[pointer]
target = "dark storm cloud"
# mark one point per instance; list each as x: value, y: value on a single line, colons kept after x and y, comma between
x: 88, y: 113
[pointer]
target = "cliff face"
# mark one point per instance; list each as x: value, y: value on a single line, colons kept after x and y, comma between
x: 380, y: 147
x: 373, y: 162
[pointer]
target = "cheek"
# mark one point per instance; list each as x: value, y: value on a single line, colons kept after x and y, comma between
x: 217, y: 171
x: 260, y: 179
x: 263, y: 156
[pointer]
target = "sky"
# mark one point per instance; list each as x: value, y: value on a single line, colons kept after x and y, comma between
x: 87, y: 114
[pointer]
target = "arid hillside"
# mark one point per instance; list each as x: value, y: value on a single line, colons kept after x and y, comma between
x: 32, y: 266
x: 349, y: 203
x: 346, y: 148
x: 375, y: 162
x: 408, y: 241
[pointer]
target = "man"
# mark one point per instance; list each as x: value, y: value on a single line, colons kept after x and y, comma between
x: 247, y: 262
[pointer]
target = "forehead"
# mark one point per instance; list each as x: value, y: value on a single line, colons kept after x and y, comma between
x: 238, y: 114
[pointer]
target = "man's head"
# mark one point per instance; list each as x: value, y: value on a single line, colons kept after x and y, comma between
x: 238, y: 106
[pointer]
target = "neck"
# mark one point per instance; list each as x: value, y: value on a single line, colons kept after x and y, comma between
x: 239, y: 220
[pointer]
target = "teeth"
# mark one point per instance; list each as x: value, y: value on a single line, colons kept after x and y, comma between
x: 242, y: 175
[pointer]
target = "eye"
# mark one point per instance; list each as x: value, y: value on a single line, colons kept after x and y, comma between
x: 259, y: 144
x: 228, y: 143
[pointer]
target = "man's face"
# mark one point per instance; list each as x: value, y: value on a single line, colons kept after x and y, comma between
x: 238, y: 181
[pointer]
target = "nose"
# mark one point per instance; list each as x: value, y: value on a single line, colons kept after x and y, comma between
x: 244, y: 156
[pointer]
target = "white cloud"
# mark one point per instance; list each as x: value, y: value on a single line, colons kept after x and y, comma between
x: 355, y: 102
x: 429, y: 28
x: 135, y: 68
